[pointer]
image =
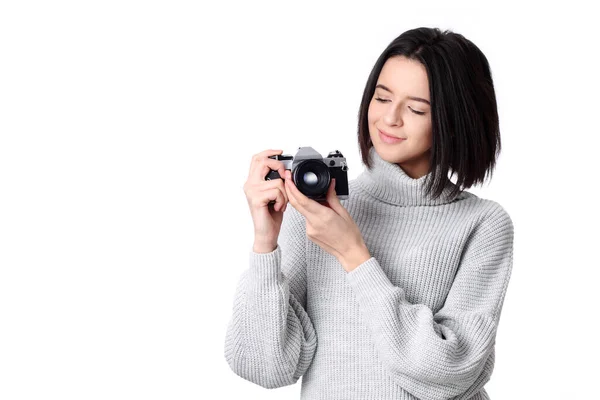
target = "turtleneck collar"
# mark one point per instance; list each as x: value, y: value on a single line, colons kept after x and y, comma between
x: 389, y: 183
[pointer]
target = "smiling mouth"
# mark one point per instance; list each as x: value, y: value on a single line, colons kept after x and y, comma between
x: 390, y: 136
x: 389, y: 139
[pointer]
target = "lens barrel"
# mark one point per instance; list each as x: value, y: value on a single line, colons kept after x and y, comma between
x: 312, y: 177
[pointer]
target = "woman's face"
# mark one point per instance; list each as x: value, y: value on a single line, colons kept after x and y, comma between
x: 401, y: 107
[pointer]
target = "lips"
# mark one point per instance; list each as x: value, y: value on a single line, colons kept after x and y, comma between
x: 389, y: 139
x: 391, y: 136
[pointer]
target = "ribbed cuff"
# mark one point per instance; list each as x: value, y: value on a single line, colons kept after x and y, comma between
x: 265, y: 268
x: 369, y: 281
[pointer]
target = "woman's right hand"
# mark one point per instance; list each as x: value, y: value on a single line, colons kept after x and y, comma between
x: 259, y: 192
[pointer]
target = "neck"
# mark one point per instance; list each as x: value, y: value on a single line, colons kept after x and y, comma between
x: 389, y: 183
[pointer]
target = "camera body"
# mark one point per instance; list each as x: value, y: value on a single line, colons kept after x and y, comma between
x: 312, y: 173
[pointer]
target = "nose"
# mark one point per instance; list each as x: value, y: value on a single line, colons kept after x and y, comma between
x: 392, y: 117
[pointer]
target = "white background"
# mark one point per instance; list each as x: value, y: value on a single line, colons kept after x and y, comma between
x: 127, y: 129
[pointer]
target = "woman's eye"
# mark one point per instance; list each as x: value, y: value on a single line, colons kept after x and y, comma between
x: 417, y: 112
x: 414, y: 111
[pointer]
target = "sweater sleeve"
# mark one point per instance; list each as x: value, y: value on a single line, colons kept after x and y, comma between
x: 448, y: 355
x: 270, y: 338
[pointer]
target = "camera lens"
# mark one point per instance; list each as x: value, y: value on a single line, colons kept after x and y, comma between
x: 312, y: 177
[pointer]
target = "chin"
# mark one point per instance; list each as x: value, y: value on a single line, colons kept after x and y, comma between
x: 393, y: 156
x: 387, y: 152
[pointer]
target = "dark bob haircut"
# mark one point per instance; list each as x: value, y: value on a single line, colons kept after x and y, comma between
x: 464, y: 114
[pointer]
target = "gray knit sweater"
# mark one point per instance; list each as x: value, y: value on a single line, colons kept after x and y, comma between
x: 418, y: 320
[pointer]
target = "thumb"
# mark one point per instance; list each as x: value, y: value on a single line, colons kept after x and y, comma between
x: 332, y: 198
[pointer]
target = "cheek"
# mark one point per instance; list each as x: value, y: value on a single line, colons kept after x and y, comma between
x: 372, y: 114
x: 423, y: 125
x: 426, y: 136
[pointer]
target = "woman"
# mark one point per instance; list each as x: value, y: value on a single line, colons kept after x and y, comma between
x: 396, y: 291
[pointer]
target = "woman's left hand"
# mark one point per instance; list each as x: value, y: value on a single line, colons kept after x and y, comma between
x: 330, y: 225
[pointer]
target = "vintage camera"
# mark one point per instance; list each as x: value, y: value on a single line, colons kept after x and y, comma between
x: 311, y: 173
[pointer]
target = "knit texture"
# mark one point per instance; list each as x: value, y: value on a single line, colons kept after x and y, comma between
x: 418, y: 320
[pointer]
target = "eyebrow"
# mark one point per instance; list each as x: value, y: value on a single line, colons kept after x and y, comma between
x: 410, y: 97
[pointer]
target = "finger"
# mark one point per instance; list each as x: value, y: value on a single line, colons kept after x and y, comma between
x: 266, y: 196
x: 281, y: 188
x: 259, y: 172
x: 265, y: 153
x: 275, y: 184
x: 256, y: 158
x: 332, y: 199
x: 308, y: 207
x: 258, y: 164
x: 263, y: 185
x: 291, y: 197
